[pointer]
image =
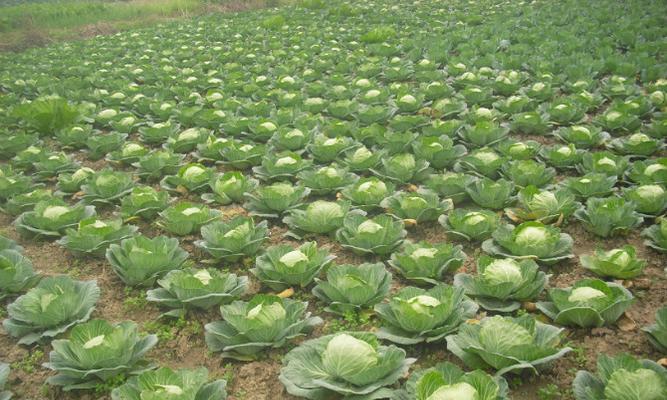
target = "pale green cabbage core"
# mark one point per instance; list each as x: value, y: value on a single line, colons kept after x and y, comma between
x: 55, y: 212
x: 369, y: 227
x: 531, y: 235
x: 203, y: 276
x: 283, y: 161
x: 457, y: 391
x: 190, y: 210
x: 584, y: 294
x: 94, y: 342
x: 293, y: 258
x: 503, y: 271
x: 424, y: 252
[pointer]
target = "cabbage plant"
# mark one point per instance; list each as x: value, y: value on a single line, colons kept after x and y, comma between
x: 228, y: 188
x: 353, y: 287
x: 657, y: 332
x: 621, y: 377
x: 589, y: 303
x: 70, y: 183
x: 543, y: 206
x: 192, y: 178
x: 283, y: 266
x: 157, y: 133
x: 264, y: 322
x: 52, y: 165
x: 378, y: 235
x: 507, y: 344
x: 367, y: 193
x: 242, y: 155
x: 154, y: 165
x: 562, y: 157
x: 637, y: 145
x: 143, y: 202
x: 96, y: 352
x: 50, y: 308
x: 415, y: 315
x: 528, y: 172
x: 447, y: 381
x: 502, y: 284
x: 140, y: 260
x: 292, y: 139
x: 51, y: 218
x: 22, y: 202
x: 192, y: 288
x: 488, y: 193
x: 164, y: 383
x: 233, y: 239
x: 16, y: 273
x: 427, y: 263
x: 209, y: 151
x: 483, y: 133
x: 319, y: 217
x: 187, y: 140
x: 421, y: 206
x: 470, y: 224
x: 272, y: 200
x: 326, y: 180
x: 281, y: 166
x: 362, y: 158
x: 649, y: 200
x: 530, y: 123
x: 439, y: 151
x: 656, y: 235
x: 128, y: 154
x: 107, y: 187
x: 347, y: 364
x: 484, y: 161
x: 584, y: 137
x: 186, y: 218
x: 621, y: 263
x: 13, y: 184
x: 609, y: 216
x: 590, y: 185
x: 603, y: 162
x: 518, y: 150
x: 649, y: 172
x: 449, y: 185
x: 325, y: 149
x: 93, y: 236
x: 402, y: 168
x: 530, y: 240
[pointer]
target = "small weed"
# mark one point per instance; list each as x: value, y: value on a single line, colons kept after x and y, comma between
x: 107, y: 386
x: 28, y: 364
x: 187, y: 327
x: 167, y: 331
x: 134, y: 300
x: 549, y: 392
x: 164, y: 332
x: 579, y: 354
x: 351, y: 321
x: 241, y: 394
x: 229, y: 373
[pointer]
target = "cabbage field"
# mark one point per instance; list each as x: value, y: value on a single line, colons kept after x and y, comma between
x: 430, y: 200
